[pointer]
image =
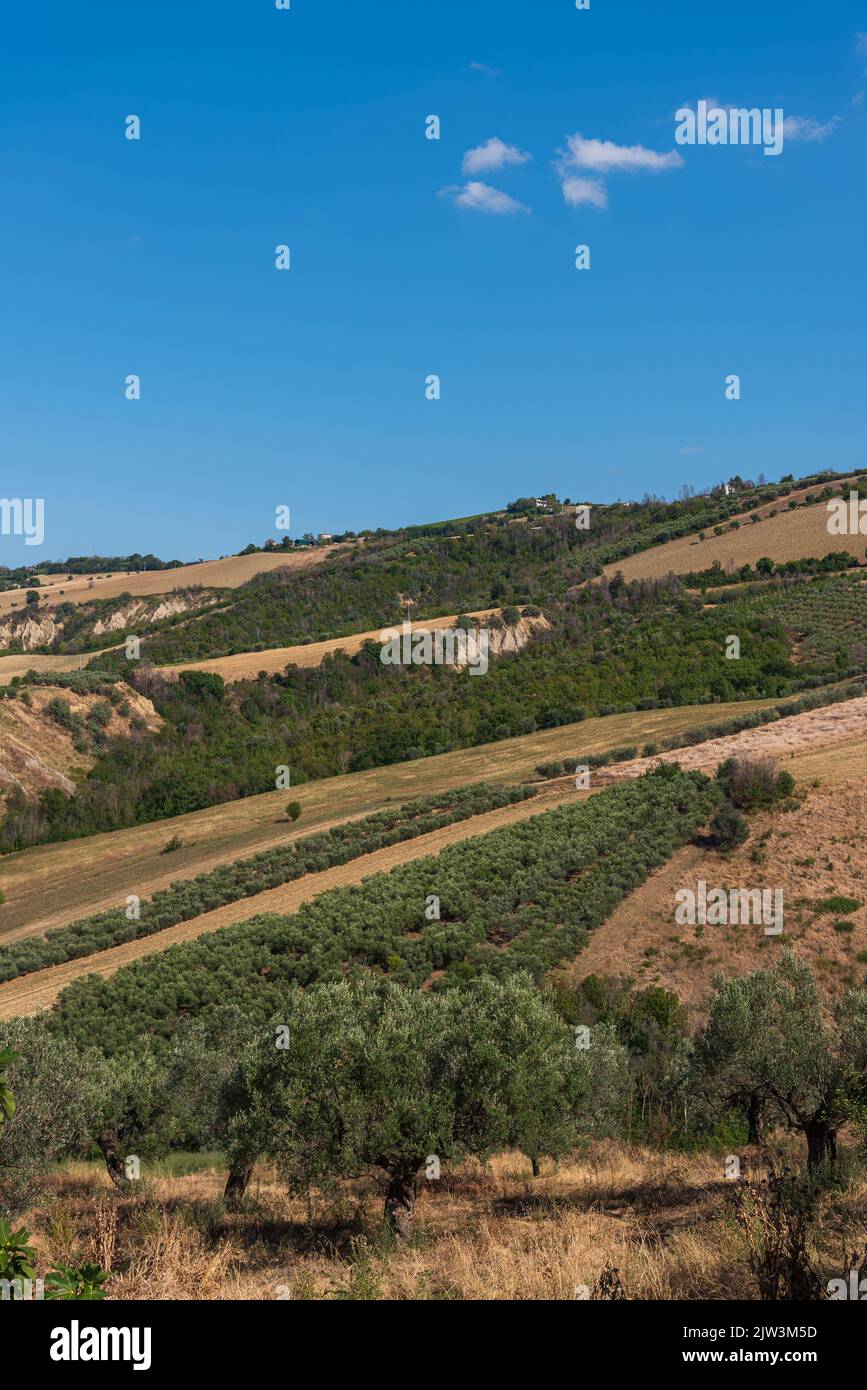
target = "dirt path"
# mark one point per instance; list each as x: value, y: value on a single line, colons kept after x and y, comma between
x: 39, y: 990
x: 806, y: 735
x: 51, y: 885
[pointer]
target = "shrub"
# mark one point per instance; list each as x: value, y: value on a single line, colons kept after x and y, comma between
x: 293, y: 810
x: 837, y: 904
x: 728, y: 828
x: 751, y: 783
x: 72, y: 1284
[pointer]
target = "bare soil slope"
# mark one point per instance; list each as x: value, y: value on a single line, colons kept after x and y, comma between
x: 813, y: 854
x: 36, y: 752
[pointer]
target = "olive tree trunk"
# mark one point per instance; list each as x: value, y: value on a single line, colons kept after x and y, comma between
x: 113, y: 1161
x: 754, y: 1120
x: 821, y: 1145
x: 236, y: 1184
x: 400, y: 1200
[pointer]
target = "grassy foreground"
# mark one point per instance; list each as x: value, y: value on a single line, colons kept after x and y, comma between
x: 664, y: 1222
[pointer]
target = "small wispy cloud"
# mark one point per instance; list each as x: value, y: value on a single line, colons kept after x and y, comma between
x: 861, y: 44
x: 604, y: 156
x: 858, y: 99
x: 493, y: 154
x: 583, y: 161
x: 691, y: 449
x: 483, y: 67
x: 481, y: 197
x: 806, y: 128
x: 577, y: 191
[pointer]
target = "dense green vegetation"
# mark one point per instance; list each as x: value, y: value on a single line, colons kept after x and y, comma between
x: 522, y: 897
x: 363, y: 1073
x: 247, y: 877
x: 611, y: 647
x: 376, y: 1076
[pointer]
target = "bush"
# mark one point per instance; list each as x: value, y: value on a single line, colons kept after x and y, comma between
x: 728, y: 827
x: 100, y: 714
x: 753, y: 783
x: 293, y: 810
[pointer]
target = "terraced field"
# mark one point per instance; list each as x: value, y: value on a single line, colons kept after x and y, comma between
x: 826, y: 745
x: 50, y: 885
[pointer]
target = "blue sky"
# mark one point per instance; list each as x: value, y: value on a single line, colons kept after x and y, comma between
x: 307, y: 387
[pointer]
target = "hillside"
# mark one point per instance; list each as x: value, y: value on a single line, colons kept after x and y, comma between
x: 39, y: 752
x: 833, y: 739
x: 814, y: 854
x: 247, y: 665
x: 228, y: 573
x: 50, y: 885
x: 789, y: 534
x: 236, y: 701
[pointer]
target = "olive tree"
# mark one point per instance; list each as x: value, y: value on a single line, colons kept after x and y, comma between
x: 125, y: 1098
x: 48, y: 1119
x: 369, y: 1074
x: 769, y: 1041
x: 159, y: 1095
x: 728, y: 1066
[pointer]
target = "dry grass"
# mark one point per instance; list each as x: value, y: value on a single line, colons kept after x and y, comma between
x: 813, y: 853
x: 19, y: 665
x: 663, y: 1221
x: 36, y: 752
x: 790, y: 535
x: 617, y: 941
x: 247, y: 665
x: 229, y: 573
x: 51, y: 885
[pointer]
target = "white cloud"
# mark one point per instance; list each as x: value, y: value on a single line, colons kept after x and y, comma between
x: 603, y: 156
x: 861, y: 43
x: 483, y: 67
x: 805, y: 128
x: 481, y: 197
x: 577, y: 191
x: 858, y: 99
x: 493, y: 154
x: 692, y: 449
x: 583, y: 156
